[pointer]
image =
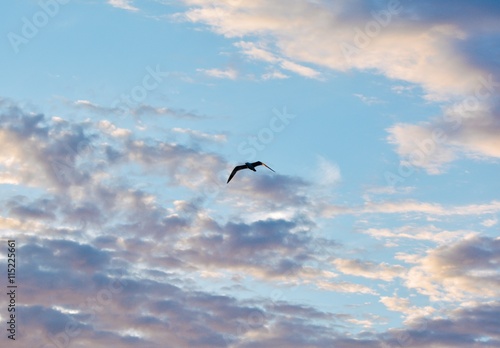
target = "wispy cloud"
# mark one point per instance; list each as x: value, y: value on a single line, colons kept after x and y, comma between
x: 455, y: 45
x: 260, y: 52
x: 198, y: 135
x: 415, y: 207
x: 368, y: 100
x: 138, y: 110
x: 368, y: 269
x: 328, y: 173
x: 229, y: 73
x: 123, y: 4
x: 424, y: 233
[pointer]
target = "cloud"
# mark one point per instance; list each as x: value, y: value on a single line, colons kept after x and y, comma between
x: 229, y: 73
x: 185, y: 166
x: 400, y: 89
x: 368, y: 269
x: 149, y: 110
x: 419, y: 147
x: 274, y: 75
x: 43, y: 156
x: 413, y: 207
x: 466, y: 268
x: 328, y: 173
x: 299, y: 69
x: 368, y: 100
x: 403, y: 305
x: 424, y: 233
x: 265, y: 248
x: 433, y: 144
x: 94, y: 108
x: 109, y: 128
x: 346, y: 287
x: 260, y: 52
x: 97, y: 248
x: 201, y: 136
x: 416, y: 43
x: 40, y: 209
x: 489, y: 222
x: 123, y: 4
x: 134, y: 109
x: 473, y: 324
x: 396, y: 303
x: 283, y: 25
x: 257, y: 51
x: 105, y: 247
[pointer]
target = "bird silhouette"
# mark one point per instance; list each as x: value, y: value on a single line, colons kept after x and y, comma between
x: 247, y: 165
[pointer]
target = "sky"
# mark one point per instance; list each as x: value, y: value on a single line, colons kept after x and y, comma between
x: 121, y: 120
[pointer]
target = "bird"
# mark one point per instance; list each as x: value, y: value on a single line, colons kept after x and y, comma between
x: 247, y: 165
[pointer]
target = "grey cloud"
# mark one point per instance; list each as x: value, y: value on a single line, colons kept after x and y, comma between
x: 463, y: 12
x: 149, y: 110
x: 14, y: 119
x: 154, y: 249
x: 260, y: 245
x: 465, y: 268
x: 52, y: 320
x: 54, y: 150
x: 138, y: 110
x: 476, y: 326
x: 42, y: 208
x: 272, y: 191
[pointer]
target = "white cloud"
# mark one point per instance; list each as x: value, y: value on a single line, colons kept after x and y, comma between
x: 403, y: 305
x: 274, y: 75
x: 258, y: 52
x: 389, y: 190
x: 219, y: 138
x: 368, y: 100
x: 299, y: 69
x: 459, y: 271
x: 427, y: 233
x: 111, y: 129
x: 341, y: 286
x: 229, y: 73
x: 123, y: 4
x: 419, y: 147
x: 327, y: 172
x: 428, y: 53
x: 366, y: 269
x: 399, y: 89
x: 413, y: 206
x: 490, y: 222
x: 396, y: 304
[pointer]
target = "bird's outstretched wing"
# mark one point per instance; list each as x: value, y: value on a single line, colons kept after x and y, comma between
x: 259, y: 163
x: 234, y: 172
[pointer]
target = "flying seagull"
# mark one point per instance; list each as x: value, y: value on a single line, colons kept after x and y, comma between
x: 247, y: 165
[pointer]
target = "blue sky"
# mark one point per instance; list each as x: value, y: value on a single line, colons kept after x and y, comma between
x: 121, y: 121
